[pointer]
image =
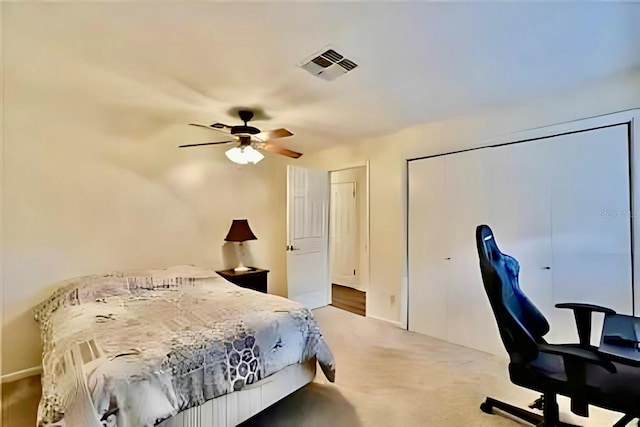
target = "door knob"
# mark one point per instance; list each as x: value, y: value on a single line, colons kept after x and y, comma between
x: 546, y: 268
x: 447, y: 258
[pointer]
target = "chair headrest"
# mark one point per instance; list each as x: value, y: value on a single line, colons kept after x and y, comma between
x: 487, y: 246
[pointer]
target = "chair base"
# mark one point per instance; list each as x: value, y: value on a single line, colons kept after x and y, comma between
x: 527, y: 416
x: 551, y: 413
x: 624, y: 421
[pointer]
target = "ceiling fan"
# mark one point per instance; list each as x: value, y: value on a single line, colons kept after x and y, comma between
x: 249, y: 138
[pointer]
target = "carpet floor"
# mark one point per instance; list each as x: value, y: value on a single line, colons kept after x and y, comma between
x: 386, y: 376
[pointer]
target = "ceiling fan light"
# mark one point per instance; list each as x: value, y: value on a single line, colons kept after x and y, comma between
x: 253, y: 155
x: 236, y: 156
x: 244, y: 155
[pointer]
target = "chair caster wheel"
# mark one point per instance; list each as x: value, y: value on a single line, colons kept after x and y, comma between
x: 484, y: 407
x: 538, y: 403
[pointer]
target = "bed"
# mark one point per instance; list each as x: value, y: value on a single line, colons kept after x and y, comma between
x: 179, y: 347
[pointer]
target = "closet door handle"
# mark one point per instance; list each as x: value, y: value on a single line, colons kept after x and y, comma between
x: 447, y: 258
x: 546, y: 268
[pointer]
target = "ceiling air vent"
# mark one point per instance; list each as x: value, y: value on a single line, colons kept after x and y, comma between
x: 328, y: 64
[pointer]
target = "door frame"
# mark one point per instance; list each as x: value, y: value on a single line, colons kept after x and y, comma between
x: 365, y: 276
x: 1, y: 199
x: 630, y: 117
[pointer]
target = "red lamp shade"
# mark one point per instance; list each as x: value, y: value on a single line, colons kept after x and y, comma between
x: 240, y: 231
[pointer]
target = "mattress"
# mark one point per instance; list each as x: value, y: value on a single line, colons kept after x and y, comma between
x: 135, y: 348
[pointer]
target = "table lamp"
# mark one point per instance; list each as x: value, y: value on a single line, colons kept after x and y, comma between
x: 240, y: 232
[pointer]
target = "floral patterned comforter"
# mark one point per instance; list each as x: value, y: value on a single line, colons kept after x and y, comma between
x: 132, y: 349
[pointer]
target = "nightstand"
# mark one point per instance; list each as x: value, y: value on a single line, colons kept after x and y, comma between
x: 255, y: 279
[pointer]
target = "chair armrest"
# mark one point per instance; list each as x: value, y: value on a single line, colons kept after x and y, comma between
x: 588, y: 307
x: 582, y: 314
x: 572, y: 354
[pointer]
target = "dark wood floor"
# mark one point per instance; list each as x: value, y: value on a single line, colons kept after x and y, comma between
x: 349, y: 299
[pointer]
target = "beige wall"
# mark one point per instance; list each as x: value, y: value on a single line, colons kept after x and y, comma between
x: 387, y: 155
x: 89, y: 188
x: 69, y: 214
x: 94, y: 182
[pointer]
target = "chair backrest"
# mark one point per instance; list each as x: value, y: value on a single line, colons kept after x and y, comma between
x: 521, y: 324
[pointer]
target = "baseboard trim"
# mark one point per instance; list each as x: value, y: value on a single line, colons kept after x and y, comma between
x: 18, y: 375
x: 392, y: 322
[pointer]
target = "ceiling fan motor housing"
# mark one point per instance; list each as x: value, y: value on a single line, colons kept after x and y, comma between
x: 244, y: 130
x: 243, y: 134
x: 245, y: 116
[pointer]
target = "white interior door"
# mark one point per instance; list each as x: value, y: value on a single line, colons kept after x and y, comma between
x: 344, y: 238
x: 307, y: 232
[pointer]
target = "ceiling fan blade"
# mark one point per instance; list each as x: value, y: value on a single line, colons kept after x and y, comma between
x: 216, y: 126
x: 220, y: 126
x: 274, y: 134
x: 205, y: 143
x: 281, y: 150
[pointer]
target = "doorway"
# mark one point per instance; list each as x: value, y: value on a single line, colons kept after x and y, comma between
x: 348, y: 238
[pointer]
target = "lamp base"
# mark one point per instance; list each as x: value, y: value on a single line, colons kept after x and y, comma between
x: 241, y: 266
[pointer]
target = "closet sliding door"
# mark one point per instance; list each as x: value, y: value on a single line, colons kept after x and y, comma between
x: 428, y: 248
x: 521, y: 216
x: 469, y: 317
x: 560, y: 205
x: 448, y: 197
x: 591, y: 226
x: 447, y: 201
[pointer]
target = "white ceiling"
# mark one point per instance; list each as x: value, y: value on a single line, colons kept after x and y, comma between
x: 144, y: 70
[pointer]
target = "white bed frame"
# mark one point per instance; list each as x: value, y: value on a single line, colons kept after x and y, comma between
x: 224, y: 411
x: 231, y: 409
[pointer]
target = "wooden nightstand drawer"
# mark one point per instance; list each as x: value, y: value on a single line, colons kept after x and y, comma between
x: 255, y: 279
